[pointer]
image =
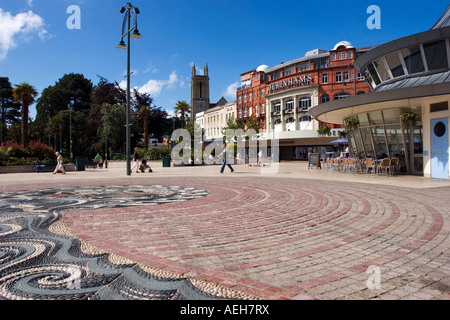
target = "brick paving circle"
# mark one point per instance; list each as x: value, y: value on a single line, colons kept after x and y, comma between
x: 278, y: 238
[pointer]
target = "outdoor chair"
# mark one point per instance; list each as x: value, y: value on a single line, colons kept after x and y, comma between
x: 335, y: 165
x: 370, y: 164
x: 394, y: 165
x: 385, y: 165
x: 348, y: 164
x: 326, y: 163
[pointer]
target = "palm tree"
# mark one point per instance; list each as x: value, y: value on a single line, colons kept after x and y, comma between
x: 182, y: 108
x: 145, y: 113
x: 25, y: 94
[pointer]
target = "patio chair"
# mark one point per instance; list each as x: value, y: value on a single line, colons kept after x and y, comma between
x: 394, y: 165
x: 385, y: 165
x: 370, y: 164
x: 349, y: 164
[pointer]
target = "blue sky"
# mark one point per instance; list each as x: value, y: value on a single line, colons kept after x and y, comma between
x: 231, y: 36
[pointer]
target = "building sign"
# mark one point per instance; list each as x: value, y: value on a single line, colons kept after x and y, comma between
x: 290, y: 83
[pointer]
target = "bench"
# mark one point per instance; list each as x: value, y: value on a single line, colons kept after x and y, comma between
x: 44, y: 166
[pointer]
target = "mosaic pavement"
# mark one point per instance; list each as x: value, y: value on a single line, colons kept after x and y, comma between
x: 40, y: 259
x: 225, y: 237
x: 289, y: 238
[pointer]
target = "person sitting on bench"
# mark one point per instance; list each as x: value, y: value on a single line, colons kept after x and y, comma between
x: 38, y: 165
x: 145, y: 166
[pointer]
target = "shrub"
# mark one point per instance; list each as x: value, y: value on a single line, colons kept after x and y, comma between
x: 13, y: 154
x: 155, y: 153
x: 14, y: 149
x: 37, y: 149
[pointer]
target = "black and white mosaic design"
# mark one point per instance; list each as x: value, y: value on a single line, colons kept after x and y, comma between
x: 40, y: 260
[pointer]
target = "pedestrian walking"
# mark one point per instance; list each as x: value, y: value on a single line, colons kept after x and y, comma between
x: 225, y: 155
x: 260, y: 158
x: 135, y: 160
x: 59, y: 164
x: 97, y: 160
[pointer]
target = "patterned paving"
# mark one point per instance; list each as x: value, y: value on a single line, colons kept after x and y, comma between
x: 40, y: 259
x: 291, y: 239
x: 270, y: 238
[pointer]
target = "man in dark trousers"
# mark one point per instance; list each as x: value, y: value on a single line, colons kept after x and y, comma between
x: 226, y: 159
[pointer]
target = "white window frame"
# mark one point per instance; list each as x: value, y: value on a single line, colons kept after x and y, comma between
x: 342, y: 55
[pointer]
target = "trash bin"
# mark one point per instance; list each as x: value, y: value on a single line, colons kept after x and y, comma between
x: 79, y: 164
x: 166, y: 161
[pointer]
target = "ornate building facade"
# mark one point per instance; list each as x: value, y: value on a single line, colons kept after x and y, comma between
x: 281, y: 96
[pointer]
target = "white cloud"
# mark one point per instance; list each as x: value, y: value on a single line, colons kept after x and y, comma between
x: 231, y: 90
x: 150, y: 68
x: 30, y: 3
x: 155, y: 87
x: 22, y: 26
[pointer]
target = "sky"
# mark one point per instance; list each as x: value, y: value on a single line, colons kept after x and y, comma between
x: 42, y: 40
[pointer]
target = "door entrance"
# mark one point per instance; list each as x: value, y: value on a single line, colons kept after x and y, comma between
x: 439, y: 149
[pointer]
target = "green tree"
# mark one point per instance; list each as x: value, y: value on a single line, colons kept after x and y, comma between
x: 9, y: 109
x: 144, y: 114
x: 71, y: 90
x: 114, y: 118
x: 183, y: 109
x: 25, y: 94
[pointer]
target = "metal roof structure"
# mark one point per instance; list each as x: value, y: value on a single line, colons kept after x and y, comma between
x: 444, y: 20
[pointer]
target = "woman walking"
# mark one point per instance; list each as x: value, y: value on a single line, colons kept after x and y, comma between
x: 59, y: 163
x: 135, y: 160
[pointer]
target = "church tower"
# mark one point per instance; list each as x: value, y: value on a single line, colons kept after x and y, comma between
x: 199, y: 92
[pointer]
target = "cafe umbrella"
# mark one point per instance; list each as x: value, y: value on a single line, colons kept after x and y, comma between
x: 340, y: 141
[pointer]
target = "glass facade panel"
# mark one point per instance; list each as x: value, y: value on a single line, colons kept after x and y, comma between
x: 373, y: 74
x: 382, y: 71
x: 413, y: 59
x: 418, y: 141
x: 375, y: 118
x: 379, y: 141
x: 436, y: 55
x: 395, y: 141
x: 391, y: 116
x: 363, y: 119
x: 366, y: 137
x: 357, y: 145
x: 395, y: 64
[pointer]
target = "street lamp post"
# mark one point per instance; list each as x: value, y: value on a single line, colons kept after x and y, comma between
x: 126, y: 32
x: 70, y: 138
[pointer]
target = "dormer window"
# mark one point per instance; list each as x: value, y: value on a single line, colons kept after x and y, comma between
x: 342, y: 55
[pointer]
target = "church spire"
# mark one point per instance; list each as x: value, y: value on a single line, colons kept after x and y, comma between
x: 205, y: 72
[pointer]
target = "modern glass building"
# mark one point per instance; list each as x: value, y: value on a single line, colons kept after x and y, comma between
x: 406, y: 114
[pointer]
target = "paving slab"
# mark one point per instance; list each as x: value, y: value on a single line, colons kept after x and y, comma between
x: 278, y: 232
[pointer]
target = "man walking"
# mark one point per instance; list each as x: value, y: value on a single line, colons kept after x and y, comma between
x: 225, y: 154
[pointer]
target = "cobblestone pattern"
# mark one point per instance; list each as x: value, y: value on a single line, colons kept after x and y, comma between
x: 271, y: 238
x: 40, y: 258
x: 288, y: 238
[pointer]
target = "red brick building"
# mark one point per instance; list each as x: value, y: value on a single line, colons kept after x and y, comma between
x: 281, y: 96
x: 251, y: 97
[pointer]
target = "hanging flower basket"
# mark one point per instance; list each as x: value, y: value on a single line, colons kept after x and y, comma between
x: 409, y: 118
x: 324, y: 130
x: 351, y: 124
